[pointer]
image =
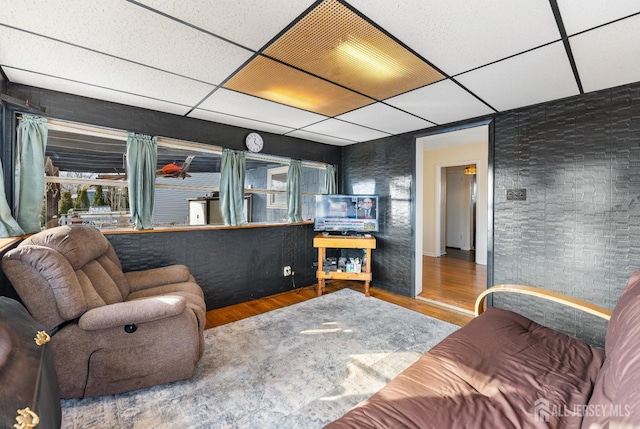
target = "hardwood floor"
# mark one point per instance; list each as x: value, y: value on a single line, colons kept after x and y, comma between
x: 453, y: 280
x: 243, y: 310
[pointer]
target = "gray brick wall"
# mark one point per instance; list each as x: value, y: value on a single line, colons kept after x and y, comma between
x: 386, y: 167
x: 578, y: 231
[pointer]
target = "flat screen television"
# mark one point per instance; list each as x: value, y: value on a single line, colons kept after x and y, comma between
x: 346, y: 213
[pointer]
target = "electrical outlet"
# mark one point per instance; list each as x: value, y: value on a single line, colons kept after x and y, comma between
x: 287, y: 271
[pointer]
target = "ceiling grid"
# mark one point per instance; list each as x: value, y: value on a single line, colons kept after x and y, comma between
x: 337, y: 72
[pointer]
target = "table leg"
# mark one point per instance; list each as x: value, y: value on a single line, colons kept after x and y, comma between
x: 322, y: 252
x: 368, y: 270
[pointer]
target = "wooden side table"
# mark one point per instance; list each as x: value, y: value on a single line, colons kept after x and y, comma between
x: 322, y: 242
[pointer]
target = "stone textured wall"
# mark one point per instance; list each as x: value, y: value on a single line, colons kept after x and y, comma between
x: 578, y: 231
x: 231, y: 265
x: 386, y: 167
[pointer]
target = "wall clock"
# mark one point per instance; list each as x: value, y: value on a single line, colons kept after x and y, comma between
x: 254, y: 142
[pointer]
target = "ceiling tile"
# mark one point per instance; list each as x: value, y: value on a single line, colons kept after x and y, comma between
x: 69, y: 87
x: 269, y: 79
x: 385, y: 118
x: 320, y: 138
x: 441, y: 103
x: 251, y: 23
x: 533, y: 77
x: 580, y: 15
x: 345, y: 130
x: 608, y: 56
x: 457, y: 36
x: 65, y: 61
x: 238, y: 122
x: 242, y: 105
x: 114, y: 28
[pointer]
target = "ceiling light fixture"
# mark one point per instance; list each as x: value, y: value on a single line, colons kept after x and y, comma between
x: 334, y: 52
x: 471, y: 169
x: 293, y: 97
x: 370, y: 59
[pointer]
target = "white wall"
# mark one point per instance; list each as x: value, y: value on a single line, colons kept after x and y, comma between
x: 456, y: 215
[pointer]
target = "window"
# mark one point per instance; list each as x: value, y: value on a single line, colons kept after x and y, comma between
x: 86, y: 179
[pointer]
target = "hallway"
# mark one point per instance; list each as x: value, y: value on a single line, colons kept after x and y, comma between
x: 453, y: 279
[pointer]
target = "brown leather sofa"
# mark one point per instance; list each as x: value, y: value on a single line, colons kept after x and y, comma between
x: 112, y: 332
x: 502, y: 370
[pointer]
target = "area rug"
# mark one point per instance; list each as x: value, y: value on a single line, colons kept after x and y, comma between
x: 300, y: 367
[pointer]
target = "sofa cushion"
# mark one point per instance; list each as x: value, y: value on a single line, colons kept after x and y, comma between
x: 616, y: 396
x: 500, y: 370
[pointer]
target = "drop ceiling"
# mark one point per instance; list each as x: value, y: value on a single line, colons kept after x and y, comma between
x: 279, y: 66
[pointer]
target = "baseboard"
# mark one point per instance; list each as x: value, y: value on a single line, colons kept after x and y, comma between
x: 431, y: 254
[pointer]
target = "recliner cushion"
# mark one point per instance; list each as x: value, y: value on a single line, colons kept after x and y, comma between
x: 79, y: 244
x: 50, y: 267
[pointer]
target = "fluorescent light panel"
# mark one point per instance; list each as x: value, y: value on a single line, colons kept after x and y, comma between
x: 337, y: 45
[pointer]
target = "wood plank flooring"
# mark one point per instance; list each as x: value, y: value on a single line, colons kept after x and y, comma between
x: 243, y: 310
x: 453, y: 280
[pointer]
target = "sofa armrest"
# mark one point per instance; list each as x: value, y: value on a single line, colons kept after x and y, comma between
x: 139, y: 280
x: 545, y: 294
x: 130, y: 312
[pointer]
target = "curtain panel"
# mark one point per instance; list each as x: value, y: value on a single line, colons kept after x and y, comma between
x: 232, y: 173
x: 294, y: 191
x: 29, y: 171
x: 8, y: 225
x: 142, y: 160
x: 330, y: 185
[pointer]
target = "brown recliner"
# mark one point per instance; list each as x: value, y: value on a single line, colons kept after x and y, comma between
x: 113, y: 331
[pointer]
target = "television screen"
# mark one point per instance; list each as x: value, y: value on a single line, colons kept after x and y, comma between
x: 346, y: 213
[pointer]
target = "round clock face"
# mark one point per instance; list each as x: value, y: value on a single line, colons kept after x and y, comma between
x: 254, y: 142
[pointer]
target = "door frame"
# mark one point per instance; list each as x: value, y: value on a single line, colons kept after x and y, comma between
x: 419, y: 199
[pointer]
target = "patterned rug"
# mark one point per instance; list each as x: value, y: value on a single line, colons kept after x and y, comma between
x: 299, y: 367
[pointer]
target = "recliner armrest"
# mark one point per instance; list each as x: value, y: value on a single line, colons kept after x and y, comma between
x: 153, y: 277
x: 130, y: 312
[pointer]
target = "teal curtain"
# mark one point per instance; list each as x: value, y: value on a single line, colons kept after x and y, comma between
x: 294, y: 191
x: 330, y: 186
x: 142, y: 159
x: 8, y: 225
x: 29, y: 172
x: 232, y: 172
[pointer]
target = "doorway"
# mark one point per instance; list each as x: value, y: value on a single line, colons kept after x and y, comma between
x: 436, y: 156
x: 459, y: 210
